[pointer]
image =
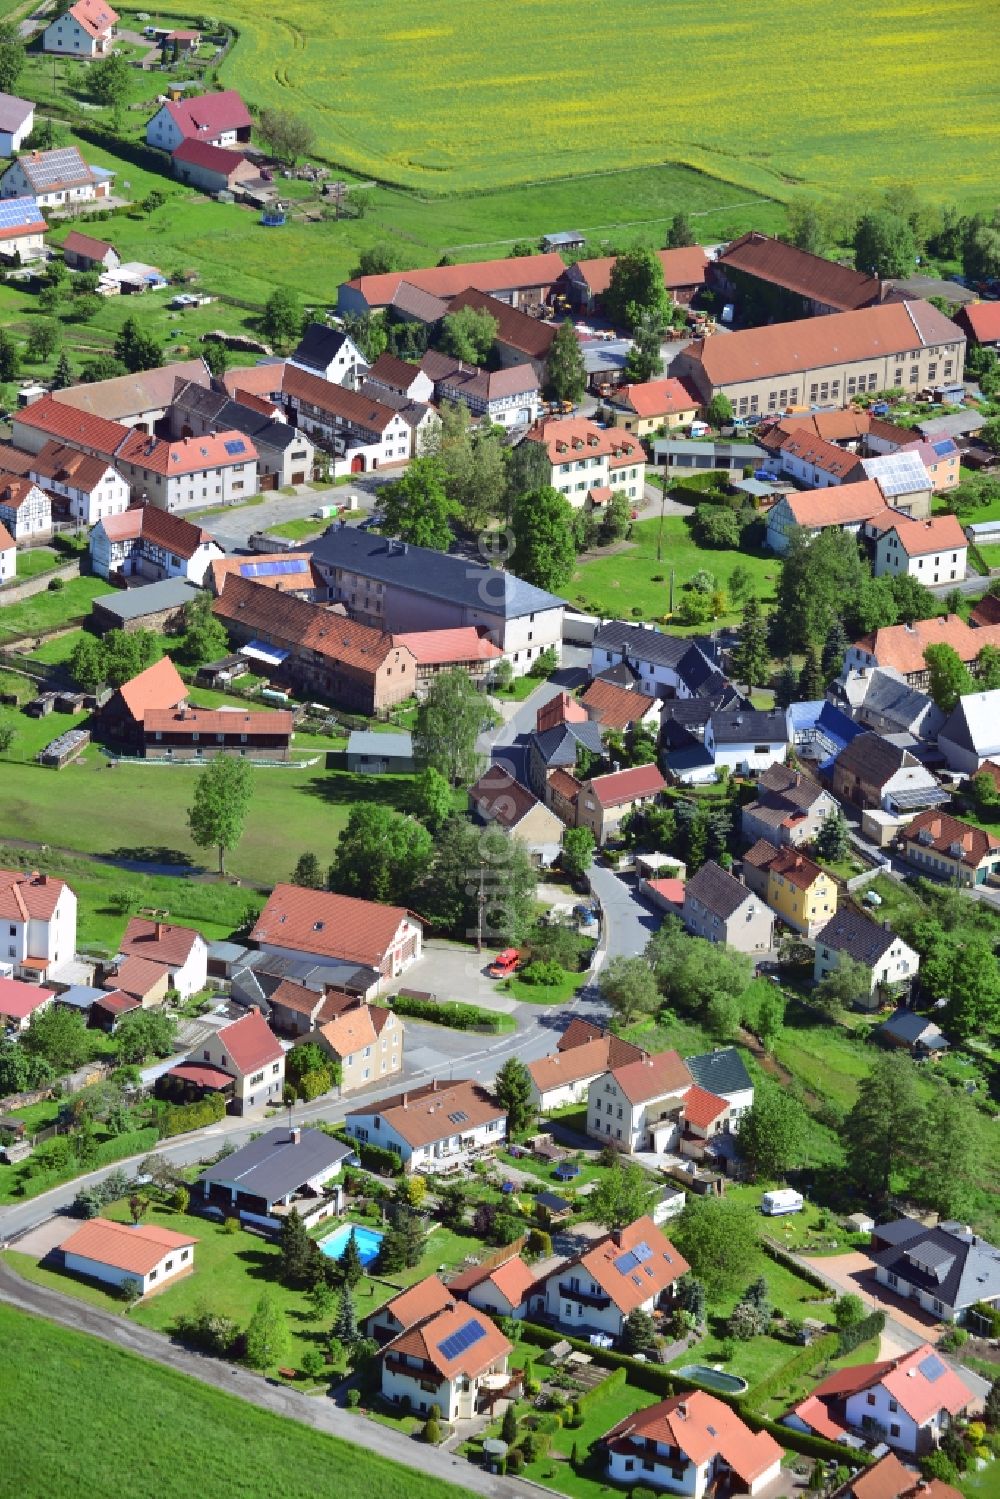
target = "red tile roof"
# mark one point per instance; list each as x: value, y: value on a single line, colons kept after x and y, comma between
x: 796, y: 868
x: 137, y: 977
x: 116, y: 1003
x: 18, y: 1000
x: 349, y: 1032
x: 67, y: 465
x: 615, y: 707
x: 628, y: 1282
x: 85, y: 245
x: 946, y: 834
x: 825, y: 456
x: 159, y: 940
x: 187, y: 455
x: 277, y: 723
x: 904, y: 1379
x: 448, y: 280
x: 497, y: 797
x: 316, y: 921
x: 759, y: 856
x: 159, y: 686
x: 446, y: 647
x: 918, y: 537
x: 285, y: 582
x: 890, y: 1479
x: 653, y: 1076
x: 201, y: 153
x: 701, y: 1108
x: 568, y: 438
x: 296, y: 997
x: 177, y: 535
x: 429, y: 1340
x: 559, y: 709
x: 672, y: 889
x: 250, y: 1043
x: 902, y: 646
x: 983, y: 321
x: 681, y: 268
x: 589, y: 1059
x: 94, y: 16
x: 702, y: 1428
x: 579, y: 1032
x: 565, y: 785
x: 351, y: 406
x: 420, y: 1115
x: 210, y: 114
x: 26, y: 896
x: 287, y: 620
x: 811, y: 276
x: 421, y: 1301
x: 626, y: 785
x: 78, y: 427
x: 658, y: 398
x: 202, y: 1074
x: 138, y: 1248
x: 529, y: 335
x: 836, y: 504
x: 7, y: 542
x: 512, y: 1278
x: 15, y: 490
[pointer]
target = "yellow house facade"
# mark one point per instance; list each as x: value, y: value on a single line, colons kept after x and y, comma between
x: 800, y: 892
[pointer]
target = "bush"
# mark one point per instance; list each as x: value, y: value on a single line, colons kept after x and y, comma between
x: 353, y: 1399
x: 458, y: 1017
x: 432, y: 1431
x: 231, y: 1226
x: 181, y: 1200
x: 56, y: 585
x: 540, y: 972
x: 515, y: 1460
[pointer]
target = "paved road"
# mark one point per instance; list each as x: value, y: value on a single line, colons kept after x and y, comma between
x: 628, y: 921
x: 321, y: 1414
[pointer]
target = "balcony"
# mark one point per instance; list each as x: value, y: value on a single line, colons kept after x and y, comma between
x: 599, y: 1301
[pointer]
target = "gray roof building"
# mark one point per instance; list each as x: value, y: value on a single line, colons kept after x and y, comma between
x: 557, y: 746
x: 761, y: 725
x: 719, y: 892
x: 258, y: 974
x: 958, y: 424
x: 277, y: 1165
x: 318, y: 347
x: 721, y: 1072
x: 907, y: 1028
x: 130, y: 604
x: 855, y: 935
x: 949, y: 1263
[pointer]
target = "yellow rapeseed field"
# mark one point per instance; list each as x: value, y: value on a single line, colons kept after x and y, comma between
x: 453, y: 95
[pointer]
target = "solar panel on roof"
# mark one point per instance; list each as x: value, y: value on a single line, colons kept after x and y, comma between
x: 642, y: 1251
x: 235, y: 445
x: 626, y: 1263
x: 931, y: 1367
x: 280, y: 566
x: 63, y: 165
x: 462, y: 1338
x: 17, y: 212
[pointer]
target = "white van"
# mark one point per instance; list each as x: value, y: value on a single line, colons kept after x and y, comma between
x: 699, y: 429
x: 784, y: 1200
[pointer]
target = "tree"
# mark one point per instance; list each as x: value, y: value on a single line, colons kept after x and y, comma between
x: 848, y: 1311
x: 616, y: 518
x: 266, y: 1334
x: 770, y: 1017
x: 110, y: 80
x: 282, y: 317
x: 637, y: 291
x: 718, y: 1238
x: 59, y: 1037
x: 981, y: 246
x: 432, y: 798
x: 142, y: 1034
x: 286, y: 136
x: 577, y: 851
x: 844, y: 986
x: 295, y: 1251
x: 645, y: 358
x: 988, y: 669
x: 527, y: 470
x: 786, y: 687
x: 566, y: 374
x: 741, y: 584
x: 621, y: 1196
x: 719, y: 526
x: 12, y: 58
x: 345, y: 1325
x: 681, y: 232
x: 884, y: 1130
x: 469, y: 334
x: 448, y: 723
x: 377, y: 260
x: 216, y: 356
x: 381, y: 855
x: 772, y: 1133
x: 639, y: 1332
x: 101, y: 367
x: 308, y: 873
x: 467, y: 859
x: 541, y: 524
x: 820, y: 576
x: 806, y: 227
x: 629, y: 986
x: 751, y: 658
x: 62, y: 375
x: 43, y: 341
x: 351, y: 1267
x: 835, y: 648
x: 508, y: 1425
x: 884, y: 245
x: 222, y: 799
x: 205, y: 636
x: 10, y: 362
x: 949, y: 677
x: 719, y: 412
x: 417, y: 508
x: 974, y: 999
x: 309, y: 1071
x: 513, y: 1091
x: 369, y: 332
x: 136, y: 349
x: 16, y: 1067
x: 833, y: 841
x: 811, y: 683
x: 87, y: 664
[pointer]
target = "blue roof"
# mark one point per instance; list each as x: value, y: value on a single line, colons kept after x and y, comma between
x: 832, y: 729
x: 18, y: 213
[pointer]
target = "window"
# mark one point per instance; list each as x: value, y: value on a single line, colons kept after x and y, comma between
x: 870, y: 1398
x: 169, y: 1265
x: 894, y: 1430
x: 152, y: 1274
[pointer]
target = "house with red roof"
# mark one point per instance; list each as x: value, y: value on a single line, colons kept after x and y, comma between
x: 584, y: 458
x: 498, y: 798
x: 217, y: 468
x: 182, y: 950
x: 684, y: 274
x: 981, y: 322
x: 455, y: 1358
x: 605, y: 800
x: 891, y: 1479
x: 83, y: 252
x: 25, y: 508
x: 661, y: 1102
x: 631, y: 1269
x: 317, y: 924
x: 143, y: 980
x: 19, y: 1001
x: 159, y: 686
x: 501, y: 1289
x: 145, y: 1255
x: 244, y: 1061
x: 86, y: 29
x: 462, y: 648
x: 85, y: 488
x: 692, y: 1444
x: 219, y: 119
x: 653, y: 405
x: 566, y: 1074
x: 907, y: 1402
x: 367, y: 1042
x: 428, y: 1297
x: 932, y: 551
x: 147, y: 542
x: 519, y: 281
x: 38, y: 916
x: 213, y: 169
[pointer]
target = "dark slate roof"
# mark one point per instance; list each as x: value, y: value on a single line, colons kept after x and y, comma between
x: 962, y: 1267
x: 227, y: 415
x: 873, y: 758
x: 553, y: 1202
x: 421, y: 570
x: 908, y: 1026
x: 720, y: 1072
x: 256, y: 979
x: 641, y: 643
x: 850, y: 931
x: 719, y: 891
x: 621, y: 675
x: 319, y: 345
x: 758, y: 724
x: 895, y: 700
x: 274, y: 1165
x: 695, y: 712
x: 701, y: 678
x: 557, y: 746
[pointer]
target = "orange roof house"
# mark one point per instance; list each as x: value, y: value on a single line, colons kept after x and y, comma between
x: 686, y: 1439
x: 159, y: 686
x: 145, y: 1253
x: 316, y: 923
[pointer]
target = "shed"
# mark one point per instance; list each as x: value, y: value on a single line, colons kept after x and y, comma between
x: 81, y: 998
x: 371, y: 753
x: 564, y: 239
x: 156, y: 606
x: 552, y: 1208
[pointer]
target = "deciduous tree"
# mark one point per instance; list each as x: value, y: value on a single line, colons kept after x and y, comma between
x: 949, y: 677
x: 468, y: 334
x: 266, y: 1334
x: 621, y: 1196
x: 543, y: 540
x: 222, y: 799
x: 381, y: 855
x: 884, y: 245
x: 449, y: 721
x: 136, y: 349
x: 577, y: 851
x: 432, y: 798
x: 566, y: 374
x: 884, y: 1131
x: 772, y: 1133
x: 417, y: 508
x: 637, y: 290
x: 287, y: 136
x: 469, y: 859
x: 718, y: 1238
x: 630, y: 988
x: 281, y: 321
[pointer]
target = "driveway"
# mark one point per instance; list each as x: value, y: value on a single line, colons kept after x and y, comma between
x: 855, y: 1273
x: 233, y: 527
x: 628, y: 921
x: 453, y: 972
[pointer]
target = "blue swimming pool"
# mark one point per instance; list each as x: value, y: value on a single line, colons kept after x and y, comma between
x: 369, y: 1242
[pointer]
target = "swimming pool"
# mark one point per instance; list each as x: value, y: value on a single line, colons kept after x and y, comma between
x: 715, y: 1379
x: 369, y: 1242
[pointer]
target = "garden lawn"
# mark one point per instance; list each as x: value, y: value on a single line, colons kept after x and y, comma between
x: 30, y: 564
x: 50, y: 610
x: 623, y: 584
x: 545, y: 994
x: 297, y: 530
x: 183, y: 1438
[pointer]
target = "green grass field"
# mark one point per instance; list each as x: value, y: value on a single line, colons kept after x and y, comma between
x: 183, y: 1438
x: 424, y: 97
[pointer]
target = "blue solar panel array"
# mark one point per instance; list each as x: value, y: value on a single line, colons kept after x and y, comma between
x: 945, y: 445
x: 457, y: 1342
x: 931, y: 1367
x: 632, y: 1258
x: 281, y: 566
x: 16, y: 213
x: 234, y: 446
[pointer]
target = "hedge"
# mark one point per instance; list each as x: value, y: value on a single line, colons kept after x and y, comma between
x: 179, y: 1118
x: 614, y: 1381
x: 782, y: 1257
x: 373, y: 1157
x: 457, y: 1016
x: 802, y: 1362
x: 653, y: 1378
x: 808, y: 1444
x: 851, y: 1337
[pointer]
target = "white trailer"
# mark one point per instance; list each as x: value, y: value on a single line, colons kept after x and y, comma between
x: 783, y: 1200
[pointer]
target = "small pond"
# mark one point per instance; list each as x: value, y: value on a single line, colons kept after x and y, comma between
x: 715, y: 1379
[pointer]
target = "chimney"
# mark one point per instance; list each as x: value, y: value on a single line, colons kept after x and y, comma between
x: 159, y: 931
x: 295, y: 1135
x: 406, y: 1104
